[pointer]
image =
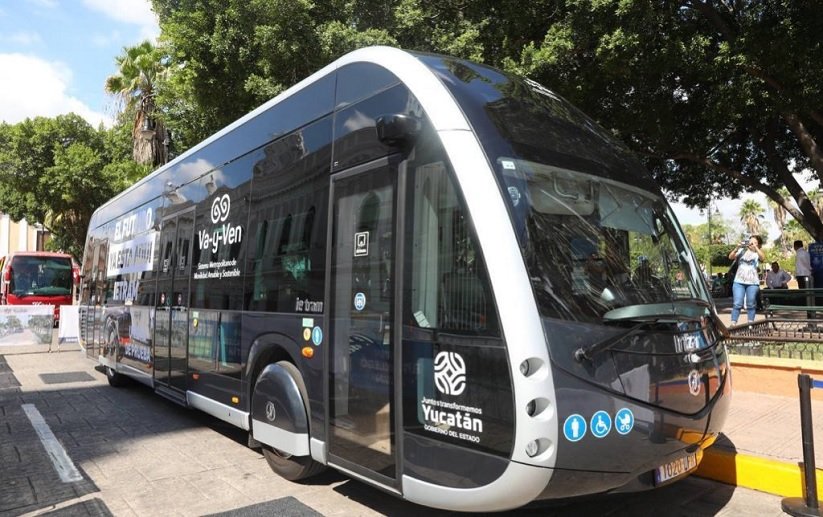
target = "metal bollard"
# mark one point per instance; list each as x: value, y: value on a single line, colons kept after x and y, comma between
x: 807, y: 506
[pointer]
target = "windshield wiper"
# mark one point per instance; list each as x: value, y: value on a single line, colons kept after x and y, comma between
x: 691, y: 309
x: 588, y: 352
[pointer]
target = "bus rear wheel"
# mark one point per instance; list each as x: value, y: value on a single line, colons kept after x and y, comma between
x: 115, y: 379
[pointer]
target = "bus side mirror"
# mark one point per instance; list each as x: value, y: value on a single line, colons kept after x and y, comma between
x: 7, y: 275
x: 398, y: 129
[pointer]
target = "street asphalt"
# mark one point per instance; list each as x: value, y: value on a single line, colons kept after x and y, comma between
x: 134, y: 453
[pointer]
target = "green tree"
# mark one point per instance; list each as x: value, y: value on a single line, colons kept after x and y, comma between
x: 779, y: 214
x: 718, y: 98
x: 139, y: 69
x: 57, y: 171
x: 751, y: 215
x: 229, y: 56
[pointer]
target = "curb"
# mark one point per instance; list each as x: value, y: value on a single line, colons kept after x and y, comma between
x: 774, y: 477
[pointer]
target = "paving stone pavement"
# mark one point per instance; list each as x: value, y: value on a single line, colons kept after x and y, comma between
x: 142, y: 455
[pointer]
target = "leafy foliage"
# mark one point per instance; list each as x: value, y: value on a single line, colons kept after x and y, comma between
x: 58, y: 170
x: 718, y: 98
x: 140, y: 68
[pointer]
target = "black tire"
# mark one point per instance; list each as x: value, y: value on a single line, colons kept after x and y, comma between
x: 115, y: 379
x: 293, y: 468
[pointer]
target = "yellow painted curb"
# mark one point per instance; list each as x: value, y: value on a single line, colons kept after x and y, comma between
x: 808, y: 366
x: 774, y: 477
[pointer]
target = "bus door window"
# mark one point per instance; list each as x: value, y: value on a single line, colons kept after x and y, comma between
x: 450, y: 320
x: 362, y: 384
x: 163, y: 328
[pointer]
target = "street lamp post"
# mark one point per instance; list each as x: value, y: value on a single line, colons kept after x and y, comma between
x: 709, y: 217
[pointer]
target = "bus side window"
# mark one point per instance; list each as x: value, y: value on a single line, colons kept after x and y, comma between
x: 449, y: 283
x: 286, y: 269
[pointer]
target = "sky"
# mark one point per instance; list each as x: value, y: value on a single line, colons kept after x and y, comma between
x: 729, y: 211
x: 55, y: 56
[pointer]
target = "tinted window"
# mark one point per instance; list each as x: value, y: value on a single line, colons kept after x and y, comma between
x: 360, y: 80
x: 41, y: 276
x: 519, y: 118
x: 355, y: 136
x: 449, y: 287
x: 450, y: 319
x: 221, y: 237
x: 288, y: 223
x: 311, y: 103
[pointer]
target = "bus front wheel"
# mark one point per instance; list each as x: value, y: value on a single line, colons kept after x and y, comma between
x: 293, y: 468
x: 283, y: 382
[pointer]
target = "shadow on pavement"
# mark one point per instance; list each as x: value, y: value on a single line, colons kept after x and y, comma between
x: 679, y: 498
x: 100, y: 421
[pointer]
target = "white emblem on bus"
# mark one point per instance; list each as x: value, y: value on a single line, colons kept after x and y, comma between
x: 270, y: 413
x: 449, y: 373
x: 361, y: 244
x: 694, y: 382
x: 220, y: 209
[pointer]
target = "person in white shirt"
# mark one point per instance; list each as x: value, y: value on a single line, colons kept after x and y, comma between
x: 777, y: 278
x: 747, y: 279
x: 802, y: 266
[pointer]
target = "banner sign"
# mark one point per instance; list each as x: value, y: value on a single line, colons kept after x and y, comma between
x: 26, y: 324
x: 69, y: 324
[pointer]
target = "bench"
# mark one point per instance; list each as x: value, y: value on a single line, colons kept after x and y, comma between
x: 780, y: 302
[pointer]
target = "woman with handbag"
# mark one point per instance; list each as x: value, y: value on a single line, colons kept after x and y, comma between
x: 746, y: 283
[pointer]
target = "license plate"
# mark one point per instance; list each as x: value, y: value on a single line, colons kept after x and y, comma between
x: 675, y: 468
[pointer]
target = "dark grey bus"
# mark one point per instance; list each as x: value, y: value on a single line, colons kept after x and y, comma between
x: 435, y: 277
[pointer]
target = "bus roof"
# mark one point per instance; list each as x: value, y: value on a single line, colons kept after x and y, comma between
x: 403, y: 64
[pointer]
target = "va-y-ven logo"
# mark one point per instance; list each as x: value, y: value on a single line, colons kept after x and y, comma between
x: 223, y: 234
x: 220, y: 209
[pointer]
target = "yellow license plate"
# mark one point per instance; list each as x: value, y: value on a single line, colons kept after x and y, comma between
x: 675, y: 468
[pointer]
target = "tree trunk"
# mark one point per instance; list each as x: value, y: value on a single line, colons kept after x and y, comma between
x: 143, y: 141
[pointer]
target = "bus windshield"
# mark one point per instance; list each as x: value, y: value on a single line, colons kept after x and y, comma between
x: 41, y: 276
x: 593, y: 245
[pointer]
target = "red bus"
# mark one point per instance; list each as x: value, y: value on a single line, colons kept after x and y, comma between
x: 38, y: 278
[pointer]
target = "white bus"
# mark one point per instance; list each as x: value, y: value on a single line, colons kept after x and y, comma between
x: 433, y: 276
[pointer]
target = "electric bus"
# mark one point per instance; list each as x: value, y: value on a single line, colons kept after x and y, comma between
x: 435, y: 277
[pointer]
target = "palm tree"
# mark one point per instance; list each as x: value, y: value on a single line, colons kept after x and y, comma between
x: 780, y: 214
x: 139, y: 69
x: 816, y: 197
x: 751, y: 212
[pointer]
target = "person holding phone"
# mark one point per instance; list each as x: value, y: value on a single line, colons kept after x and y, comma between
x: 746, y: 282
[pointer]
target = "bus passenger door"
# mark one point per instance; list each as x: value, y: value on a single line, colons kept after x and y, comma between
x: 362, y: 434
x: 171, y: 316
x: 91, y: 322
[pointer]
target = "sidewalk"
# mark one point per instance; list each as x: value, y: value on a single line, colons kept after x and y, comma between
x: 724, y: 310
x: 761, y: 445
